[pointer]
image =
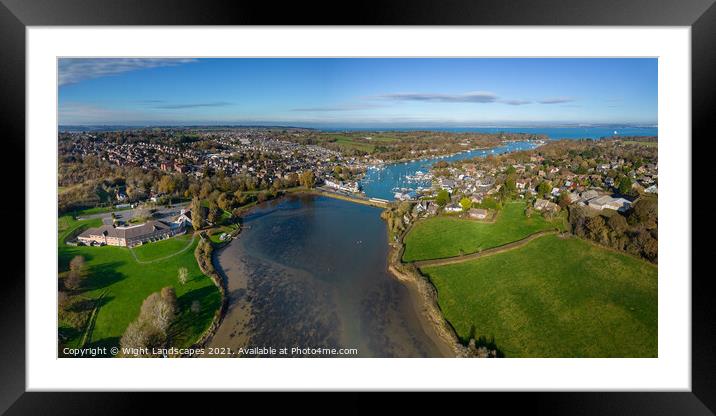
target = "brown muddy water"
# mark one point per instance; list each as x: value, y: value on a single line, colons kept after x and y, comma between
x: 311, y: 272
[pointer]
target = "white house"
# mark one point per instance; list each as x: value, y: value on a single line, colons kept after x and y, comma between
x: 453, y: 208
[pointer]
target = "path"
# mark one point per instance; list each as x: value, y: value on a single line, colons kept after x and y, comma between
x: 491, y: 251
x: 131, y: 250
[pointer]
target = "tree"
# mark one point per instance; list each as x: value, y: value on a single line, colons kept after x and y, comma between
x: 183, y: 275
x: 197, y: 214
x: 63, y: 299
x: 158, y: 312
x: 72, y: 280
x: 77, y: 272
x: 77, y: 263
x: 226, y: 201
x: 442, y: 198
x: 544, y: 188
x: 142, y: 334
x: 625, y: 185
x: 563, y: 199
x: 214, y: 213
x: 510, y: 182
x: 307, y: 179
x: 195, y: 306
x: 166, y: 185
x: 645, y: 212
x: 465, y: 203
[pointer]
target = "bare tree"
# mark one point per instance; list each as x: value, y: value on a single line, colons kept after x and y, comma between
x: 63, y: 299
x: 73, y: 280
x: 158, y: 312
x: 195, y: 306
x: 142, y: 334
x: 77, y: 263
x: 183, y: 275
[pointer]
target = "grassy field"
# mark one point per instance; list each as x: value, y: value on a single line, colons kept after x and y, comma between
x: 154, y: 251
x: 125, y: 283
x: 358, y: 142
x: 554, y: 298
x: 445, y: 236
x: 648, y: 144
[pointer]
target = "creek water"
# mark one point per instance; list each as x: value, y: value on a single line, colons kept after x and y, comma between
x: 311, y: 272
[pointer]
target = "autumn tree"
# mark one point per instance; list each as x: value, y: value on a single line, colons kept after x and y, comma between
x: 166, y: 185
x: 197, y: 214
x: 307, y: 179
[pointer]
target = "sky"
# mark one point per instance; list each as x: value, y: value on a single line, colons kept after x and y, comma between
x: 359, y: 92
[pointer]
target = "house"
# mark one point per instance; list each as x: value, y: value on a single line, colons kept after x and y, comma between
x: 184, y: 218
x: 587, y: 195
x: 406, y: 218
x: 572, y: 197
x: 120, y: 195
x: 130, y: 236
x: 652, y: 190
x: 448, y: 184
x: 606, y: 201
x: 420, y: 207
x: 478, y: 213
x: 453, y: 208
x: 521, y: 184
x: 432, y: 209
x: 343, y: 186
x: 544, y: 205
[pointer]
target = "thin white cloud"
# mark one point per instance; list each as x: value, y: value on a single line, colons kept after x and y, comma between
x: 73, y: 70
x: 516, y: 102
x: 556, y: 100
x: 470, y: 97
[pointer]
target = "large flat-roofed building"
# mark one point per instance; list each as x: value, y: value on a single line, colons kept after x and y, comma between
x: 130, y: 236
x: 606, y: 201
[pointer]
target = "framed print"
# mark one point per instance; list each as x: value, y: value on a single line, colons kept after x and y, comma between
x: 400, y: 205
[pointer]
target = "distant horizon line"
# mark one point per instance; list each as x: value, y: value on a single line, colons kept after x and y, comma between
x: 367, y: 127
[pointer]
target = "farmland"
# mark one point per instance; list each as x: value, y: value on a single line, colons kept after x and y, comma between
x: 445, y: 236
x: 554, y: 297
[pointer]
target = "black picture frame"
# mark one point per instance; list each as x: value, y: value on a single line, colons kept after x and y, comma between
x: 16, y: 15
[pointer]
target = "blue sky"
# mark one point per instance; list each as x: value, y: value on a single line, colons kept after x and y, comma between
x: 359, y: 92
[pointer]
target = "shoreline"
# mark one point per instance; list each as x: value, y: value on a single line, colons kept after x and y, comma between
x: 220, y: 282
x: 431, y: 317
x: 539, y: 142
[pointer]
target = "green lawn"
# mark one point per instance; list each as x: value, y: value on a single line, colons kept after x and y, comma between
x: 446, y: 236
x: 98, y: 210
x: 647, y: 144
x: 164, y: 248
x: 554, y: 297
x: 348, y: 142
x: 126, y: 283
